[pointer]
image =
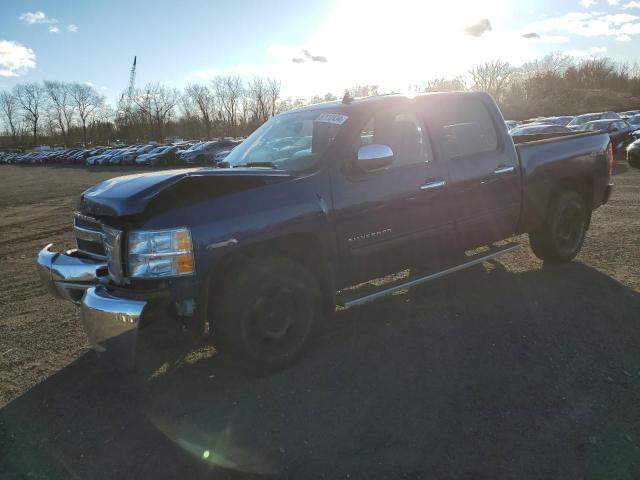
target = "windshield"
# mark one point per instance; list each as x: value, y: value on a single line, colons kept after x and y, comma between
x: 529, y: 129
x: 596, y: 126
x: 158, y: 150
x: 583, y: 119
x: 292, y: 141
x: 196, y: 147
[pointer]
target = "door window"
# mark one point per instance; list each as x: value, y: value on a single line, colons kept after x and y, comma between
x: 468, y: 129
x: 403, y: 132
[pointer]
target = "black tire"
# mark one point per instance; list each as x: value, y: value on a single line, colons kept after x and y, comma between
x: 268, y: 313
x: 565, y: 227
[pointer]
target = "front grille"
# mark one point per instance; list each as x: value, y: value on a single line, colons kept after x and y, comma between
x: 89, y: 236
x: 101, y: 242
x: 92, y: 248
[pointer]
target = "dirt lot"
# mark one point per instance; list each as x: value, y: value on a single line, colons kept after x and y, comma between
x: 508, y: 370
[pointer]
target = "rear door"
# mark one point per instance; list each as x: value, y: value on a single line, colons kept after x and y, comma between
x: 483, y: 169
x: 387, y: 218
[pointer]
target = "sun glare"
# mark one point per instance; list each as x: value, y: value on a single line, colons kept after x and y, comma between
x: 399, y: 43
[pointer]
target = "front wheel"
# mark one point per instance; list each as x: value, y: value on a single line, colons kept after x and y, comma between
x: 562, y: 235
x: 268, y: 313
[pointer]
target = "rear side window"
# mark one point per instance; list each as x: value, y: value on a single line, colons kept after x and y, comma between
x: 468, y: 129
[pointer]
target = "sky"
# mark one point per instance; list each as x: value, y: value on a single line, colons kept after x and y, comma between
x: 312, y: 46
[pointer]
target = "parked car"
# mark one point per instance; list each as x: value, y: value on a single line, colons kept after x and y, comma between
x: 628, y: 114
x: 221, y: 155
x: 619, y: 131
x: 268, y: 246
x: 101, y: 158
x: 633, y: 153
x: 535, y: 129
x: 563, y: 120
x: 130, y: 157
x: 580, y: 121
x: 634, y: 121
x: 118, y: 158
x: 205, y: 152
x: 163, y: 155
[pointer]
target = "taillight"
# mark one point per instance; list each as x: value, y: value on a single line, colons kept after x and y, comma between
x: 610, y: 160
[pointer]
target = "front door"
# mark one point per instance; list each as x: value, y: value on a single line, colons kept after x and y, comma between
x: 386, y: 218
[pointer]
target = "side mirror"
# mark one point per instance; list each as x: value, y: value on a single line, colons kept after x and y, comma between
x: 614, y: 129
x: 374, y: 156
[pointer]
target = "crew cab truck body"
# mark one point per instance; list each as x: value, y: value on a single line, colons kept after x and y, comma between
x: 316, y: 200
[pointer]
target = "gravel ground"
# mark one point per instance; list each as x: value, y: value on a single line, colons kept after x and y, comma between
x: 508, y: 370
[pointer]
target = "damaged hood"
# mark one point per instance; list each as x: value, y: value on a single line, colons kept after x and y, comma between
x: 132, y: 194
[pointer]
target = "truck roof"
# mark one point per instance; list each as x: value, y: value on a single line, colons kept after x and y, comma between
x: 381, y: 99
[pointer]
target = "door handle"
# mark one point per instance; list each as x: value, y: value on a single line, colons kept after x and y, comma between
x: 433, y: 184
x: 504, y: 169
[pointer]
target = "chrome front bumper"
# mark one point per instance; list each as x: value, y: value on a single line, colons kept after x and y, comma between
x: 111, y: 322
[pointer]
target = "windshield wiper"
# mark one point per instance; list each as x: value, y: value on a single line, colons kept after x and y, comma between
x: 257, y: 165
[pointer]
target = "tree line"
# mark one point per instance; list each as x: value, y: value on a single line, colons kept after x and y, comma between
x: 556, y: 84
x: 74, y: 114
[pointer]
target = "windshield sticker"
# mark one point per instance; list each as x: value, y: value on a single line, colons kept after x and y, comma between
x: 335, y: 118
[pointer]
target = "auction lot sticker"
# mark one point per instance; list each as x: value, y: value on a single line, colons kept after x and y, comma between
x: 335, y: 118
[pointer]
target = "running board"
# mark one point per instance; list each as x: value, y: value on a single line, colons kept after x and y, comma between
x: 493, y: 252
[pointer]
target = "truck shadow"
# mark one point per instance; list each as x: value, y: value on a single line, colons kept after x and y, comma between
x: 483, y: 374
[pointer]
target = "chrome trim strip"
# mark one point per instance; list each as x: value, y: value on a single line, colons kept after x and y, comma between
x: 433, y: 185
x: 163, y: 254
x: 427, y: 278
x: 500, y: 170
x: 225, y: 243
x: 87, y: 234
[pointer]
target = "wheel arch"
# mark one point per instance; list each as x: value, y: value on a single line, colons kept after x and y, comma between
x: 304, y: 248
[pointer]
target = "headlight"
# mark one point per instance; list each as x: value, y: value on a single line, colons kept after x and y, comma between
x: 160, y: 253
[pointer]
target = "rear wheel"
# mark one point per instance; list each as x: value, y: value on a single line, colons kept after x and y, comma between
x: 562, y: 235
x: 267, y: 315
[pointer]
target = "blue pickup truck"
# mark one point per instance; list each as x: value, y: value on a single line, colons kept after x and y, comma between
x: 258, y: 253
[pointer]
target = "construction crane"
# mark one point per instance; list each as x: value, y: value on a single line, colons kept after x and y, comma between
x: 132, y: 79
x: 126, y: 102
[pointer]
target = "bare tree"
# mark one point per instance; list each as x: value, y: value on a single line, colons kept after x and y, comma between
x: 63, y: 109
x: 31, y: 98
x: 555, y: 63
x: 363, y: 91
x: 228, y: 91
x: 273, y: 94
x: 259, y: 103
x: 157, y: 102
x: 9, y: 110
x: 492, y: 77
x: 202, y: 101
x: 442, y: 85
x: 86, y: 100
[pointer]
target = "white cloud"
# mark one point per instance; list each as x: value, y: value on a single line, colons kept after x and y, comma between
x: 592, y: 52
x: 632, y: 4
x: 72, y: 28
x: 623, y: 38
x: 54, y: 29
x: 15, y: 59
x: 587, y: 3
x: 35, y: 17
x: 613, y: 2
x: 589, y: 24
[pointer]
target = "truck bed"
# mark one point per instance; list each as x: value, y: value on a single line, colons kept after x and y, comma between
x: 545, y: 158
